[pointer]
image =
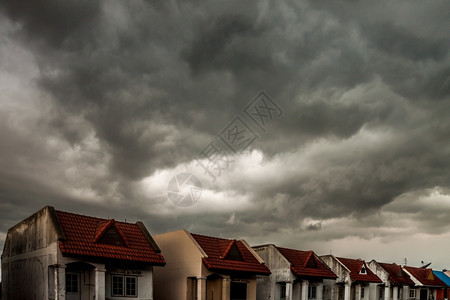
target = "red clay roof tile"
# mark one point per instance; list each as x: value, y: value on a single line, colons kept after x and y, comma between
x: 355, y: 265
x: 215, y: 248
x: 80, y: 239
x: 396, y: 275
x: 299, y: 260
x: 425, y: 276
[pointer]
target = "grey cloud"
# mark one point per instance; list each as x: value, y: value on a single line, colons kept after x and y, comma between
x: 54, y: 21
x: 152, y: 83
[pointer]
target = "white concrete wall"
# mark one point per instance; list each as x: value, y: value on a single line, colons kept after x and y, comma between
x: 338, y: 269
x: 144, y: 283
x: 380, y: 272
x: 279, y: 267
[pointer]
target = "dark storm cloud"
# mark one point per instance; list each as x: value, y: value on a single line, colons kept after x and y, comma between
x: 54, y: 21
x: 134, y: 88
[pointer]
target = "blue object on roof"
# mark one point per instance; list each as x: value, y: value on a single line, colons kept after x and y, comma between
x: 443, y: 277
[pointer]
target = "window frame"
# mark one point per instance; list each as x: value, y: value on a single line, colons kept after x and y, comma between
x: 124, y: 286
x: 414, y: 293
x: 362, y: 292
x: 73, y: 275
x: 312, y: 291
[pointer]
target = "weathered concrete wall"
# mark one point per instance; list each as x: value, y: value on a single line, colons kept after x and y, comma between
x: 280, y: 268
x: 380, y: 272
x: 343, y: 277
x: 338, y: 269
x: 30, y: 248
x: 329, y: 290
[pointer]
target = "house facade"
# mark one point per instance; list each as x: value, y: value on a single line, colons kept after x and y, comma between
x: 445, y: 293
x: 59, y: 255
x: 355, y: 280
x: 296, y: 275
x: 427, y: 285
x: 396, y: 282
x: 206, y: 268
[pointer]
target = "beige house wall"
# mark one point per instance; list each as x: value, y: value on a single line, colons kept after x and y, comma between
x: 184, y: 259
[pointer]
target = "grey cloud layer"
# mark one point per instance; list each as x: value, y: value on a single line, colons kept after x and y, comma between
x: 133, y: 88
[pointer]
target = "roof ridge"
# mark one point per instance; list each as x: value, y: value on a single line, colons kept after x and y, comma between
x: 93, y: 217
x: 292, y: 249
x: 212, y: 237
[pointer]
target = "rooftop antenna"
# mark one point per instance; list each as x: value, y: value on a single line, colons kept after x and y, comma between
x: 424, y: 265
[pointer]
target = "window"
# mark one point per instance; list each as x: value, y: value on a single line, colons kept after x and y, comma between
x: 363, y: 270
x: 400, y: 293
x: 412, y: 293
x: 117, y: 285
x: 282, y: 291
x: 71, y: 283
x: 381, y: 293
x: 312, y: 292
x: 362, y: 292
x: 124, y: 285
x: 130, y: 286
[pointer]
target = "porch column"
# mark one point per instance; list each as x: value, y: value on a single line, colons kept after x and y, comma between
x: 319, y: 291
x: 358, y: 292
x: 226, y: 287
x: 395, y: 293
x: 201, y: 288
x: 347, y: 291
x: 99, y: 293
x: 405, y: 294
x: 288, y: 290
x: 305, y: 285
x: 60, y: 282
x: 387, y: 293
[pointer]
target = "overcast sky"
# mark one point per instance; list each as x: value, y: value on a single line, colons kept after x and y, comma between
x: 102, y: 103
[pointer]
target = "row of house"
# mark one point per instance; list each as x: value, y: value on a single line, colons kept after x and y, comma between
x: 60, y: 255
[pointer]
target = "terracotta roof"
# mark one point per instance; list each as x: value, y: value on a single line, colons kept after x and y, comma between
x: 217, y: 248
x: 425, y: 276
x: 306, y: 263
x: 396, y: 275
x: 84, y: 236
x: 355, y: 265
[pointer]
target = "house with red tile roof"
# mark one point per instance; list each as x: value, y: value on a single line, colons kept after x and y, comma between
x: 355, y: 280
x: 427, y: 285
x: 202, y: 267
x: 60, y: 255
x: 295, y: 274
x: 396, y: 282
